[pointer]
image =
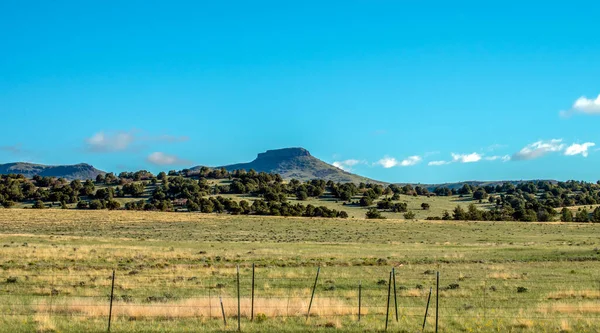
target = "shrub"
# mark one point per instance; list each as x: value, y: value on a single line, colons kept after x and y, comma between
x: 409, y: 215
x: 373, y: 213
x: 39, y: 204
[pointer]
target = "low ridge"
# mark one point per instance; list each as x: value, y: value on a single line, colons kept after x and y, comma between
x: 70, y: 172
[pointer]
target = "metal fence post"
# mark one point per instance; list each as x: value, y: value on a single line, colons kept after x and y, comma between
x: 313, y: 293
x: 252, y: 306
x: 223, y: 311
x: 359, y: 298
x: 112, y: 293
x: 395, y: 295
x: 437, y: 301
x: 239, y: 314
x: 426, y: 310
x: 387, y: 309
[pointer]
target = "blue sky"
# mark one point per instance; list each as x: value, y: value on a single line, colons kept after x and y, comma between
x: 401, y: 91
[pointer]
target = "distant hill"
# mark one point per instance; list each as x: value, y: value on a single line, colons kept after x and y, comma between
x: 478, y: 183
x: 296, y: 163
x: 77, y: 171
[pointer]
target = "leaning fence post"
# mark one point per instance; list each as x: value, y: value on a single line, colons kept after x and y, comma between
x: 387, y: 310
x: 395, y: 295
x: 209, y: 303
x: 437, y: 300
x: 238, y: 297
x: 252, y: 306
x: 313, y: 293
x: 426, y: 310
x: 359, y: 298
x: 223, y: 311
x: 112, y: 293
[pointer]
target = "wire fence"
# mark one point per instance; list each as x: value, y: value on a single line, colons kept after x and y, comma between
x: 238, y: 298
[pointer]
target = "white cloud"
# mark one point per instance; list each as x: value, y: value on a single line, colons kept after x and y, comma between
x: 579, y: 149
x: 584, y: 105
x: 390, y: 162
x: 103, y: 142
x: 411, y: 160
x: 539, y: 149
x: 346, y: 165
x: 466, y: 158
x: 108, y: 142
x: 437, y: 163
x: 504, y: 158
x: 387, y: 162
x: 159, y: 158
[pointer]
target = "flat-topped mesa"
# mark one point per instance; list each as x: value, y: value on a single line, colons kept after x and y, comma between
x: 283, y: 153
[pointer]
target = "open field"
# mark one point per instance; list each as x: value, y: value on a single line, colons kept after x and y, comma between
x: 171, y: 269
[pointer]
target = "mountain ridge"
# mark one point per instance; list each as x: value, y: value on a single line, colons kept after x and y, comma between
x: 297, y: 163
x: 80, y: 171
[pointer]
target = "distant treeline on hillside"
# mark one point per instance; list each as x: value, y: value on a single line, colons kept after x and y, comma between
x: 204, y: 190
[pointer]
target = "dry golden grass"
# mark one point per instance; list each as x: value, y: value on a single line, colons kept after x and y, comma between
x: 574, y: 294
x: 44, y: 323
x: 505, y: 276
x: 197, y: 307
x: 570, y: 308
x: 67, y: 217
x: 565, y: 327
x: 523, y: 323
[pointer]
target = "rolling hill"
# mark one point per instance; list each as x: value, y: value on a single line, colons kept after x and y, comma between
x: 70, y: 172
x: 296, y: 163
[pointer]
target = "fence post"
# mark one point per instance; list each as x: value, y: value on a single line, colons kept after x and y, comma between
x: 52, y: 293
x: 395, y: 295
x: 252, y: 306
x: 239, y: 314
x: 437, y: 300
x: 112, y: 293
x: 313, y: 293
x: 287, y: 307
x: 359, y: 298
x: 426, y: 310
x: 484, y: 292
x: 209, y: 303
x: 223, y: 311
x: 387, y: 310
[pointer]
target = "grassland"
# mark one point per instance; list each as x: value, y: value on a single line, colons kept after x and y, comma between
x: 172, y: 268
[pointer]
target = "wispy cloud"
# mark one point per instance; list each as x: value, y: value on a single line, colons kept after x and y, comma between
x: 466, y: 158
x: 159, y: 158
x: 411, y: 160
x: 504, y: 158
x: 387, y: 162
x: 539, y: 149
x: 496, y: 146
x: 390, y: 162
x: 584, y: 105
x: 579, y: 149
x: 102, y: 142
x: 438, y: 163
x: 13, y: 149
x: 105, y: 142
x: 469, y: 158
x: 347, y: 164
